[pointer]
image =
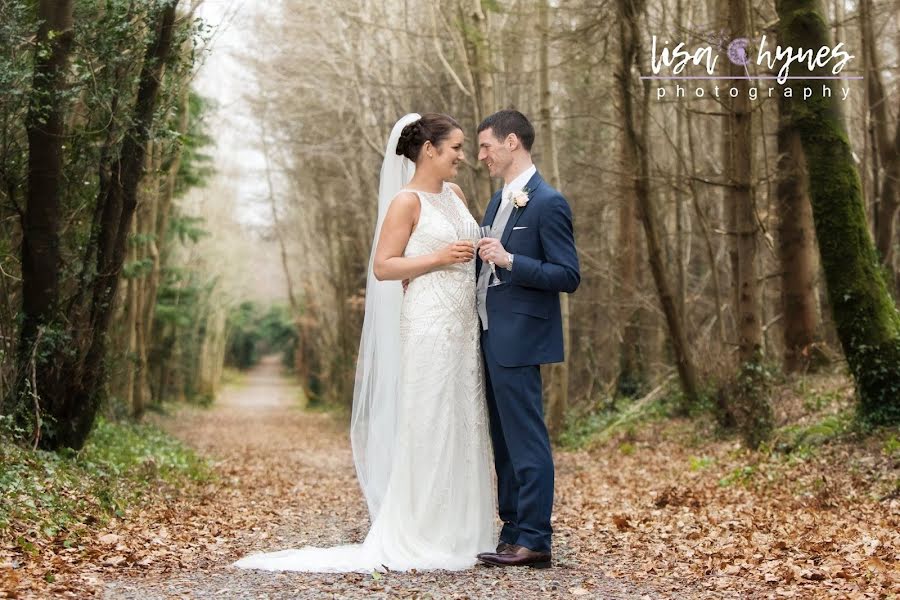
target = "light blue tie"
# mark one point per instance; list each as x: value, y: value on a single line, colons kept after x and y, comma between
x: 481, y: 286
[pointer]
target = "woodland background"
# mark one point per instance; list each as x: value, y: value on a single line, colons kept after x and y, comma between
x: 114, y: 276
x: 732, y: 251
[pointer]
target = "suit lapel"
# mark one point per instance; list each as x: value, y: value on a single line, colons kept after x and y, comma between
x: 532, y: 186
x: 491, y: 212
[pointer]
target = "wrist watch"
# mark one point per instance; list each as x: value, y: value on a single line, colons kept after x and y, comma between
x: 509, y: 257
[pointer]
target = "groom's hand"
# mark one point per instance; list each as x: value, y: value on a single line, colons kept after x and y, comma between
x: 491, y: 250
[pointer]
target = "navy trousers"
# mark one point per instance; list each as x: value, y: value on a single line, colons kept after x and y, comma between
x: 522, y: 455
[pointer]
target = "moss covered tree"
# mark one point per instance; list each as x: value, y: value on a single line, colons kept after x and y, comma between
x: 866, y: 318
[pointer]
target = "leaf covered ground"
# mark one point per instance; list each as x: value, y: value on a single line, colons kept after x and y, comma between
x: 663, y: 509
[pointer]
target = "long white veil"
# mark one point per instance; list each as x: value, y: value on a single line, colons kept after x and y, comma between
x: 374, y: 418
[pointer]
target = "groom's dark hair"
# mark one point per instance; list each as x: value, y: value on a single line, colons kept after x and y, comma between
x: 505, y: 122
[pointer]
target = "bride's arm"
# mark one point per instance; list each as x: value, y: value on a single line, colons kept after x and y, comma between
x: 399, y: 222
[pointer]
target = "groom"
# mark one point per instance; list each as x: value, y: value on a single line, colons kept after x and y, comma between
x: 534, y: 259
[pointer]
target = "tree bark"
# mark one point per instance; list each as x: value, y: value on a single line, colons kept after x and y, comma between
x: 887, y: 150
x: 558, y: 398
x: 678, y: 190
x: 867, y: 320
x: 75, y: 409
x: 45, y: 129
x: 741, y: 198
x: 748, y: 401
x: 146, y: 283
x: 157, y: 348
x: 796, y: 250
x: 636, y: 141
x: 477, y: 35
x: 630, y: 377
x: 130, y: 339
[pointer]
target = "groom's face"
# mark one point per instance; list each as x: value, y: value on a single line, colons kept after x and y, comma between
x: 494, y: 153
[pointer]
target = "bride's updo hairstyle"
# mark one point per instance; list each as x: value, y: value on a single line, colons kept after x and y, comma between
x: 432, y: 127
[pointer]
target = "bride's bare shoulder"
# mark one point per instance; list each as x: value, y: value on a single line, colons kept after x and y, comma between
x: 405, y: 206
x: 406, y: 198
x: 458, y: 191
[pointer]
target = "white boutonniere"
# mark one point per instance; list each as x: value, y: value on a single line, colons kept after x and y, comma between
x: 521, y: 198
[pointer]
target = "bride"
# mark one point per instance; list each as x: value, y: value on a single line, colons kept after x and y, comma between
x: 419, y: 427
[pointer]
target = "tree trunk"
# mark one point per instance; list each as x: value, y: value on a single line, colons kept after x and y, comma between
x: 741, y: 198
x: 558, y: 398
x: 158, y: 349
x: 45, y: 128
x: 796, y: 250
x: 748, y: 403
x: 76, y: 407
x: 886, y: 149
x: 130, y: 337
x: 630, y: 378
x: 477, y: 36
x: 707, y: 239
x: 301, y: 367
x: 678, y: 190
x: 636, y: 143
x: 867, y: 320
x: 146, y: 282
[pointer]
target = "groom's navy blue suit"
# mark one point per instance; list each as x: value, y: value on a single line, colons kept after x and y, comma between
x: 524, y: 332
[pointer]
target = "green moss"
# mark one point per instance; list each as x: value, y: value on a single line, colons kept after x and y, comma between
x: 867, y: 320
x: 617, y: 416
x: 877, y: 373
x: 800, y: 437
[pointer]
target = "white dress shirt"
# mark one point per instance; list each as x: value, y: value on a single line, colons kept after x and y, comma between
x: 515, y: 185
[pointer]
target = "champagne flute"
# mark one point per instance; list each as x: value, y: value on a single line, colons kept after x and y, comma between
x: 487, y: 232
x: 472, y: 233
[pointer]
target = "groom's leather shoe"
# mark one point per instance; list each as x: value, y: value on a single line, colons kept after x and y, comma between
x: 517, y: 556
x: 501, y: 548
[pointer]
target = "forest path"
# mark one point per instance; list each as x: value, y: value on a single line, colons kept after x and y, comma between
x: 286, y: 480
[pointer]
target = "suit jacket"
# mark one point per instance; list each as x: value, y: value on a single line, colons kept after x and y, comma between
x: 524, y: 320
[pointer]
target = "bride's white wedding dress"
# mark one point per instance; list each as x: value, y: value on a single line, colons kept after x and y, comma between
x: 438, y: 509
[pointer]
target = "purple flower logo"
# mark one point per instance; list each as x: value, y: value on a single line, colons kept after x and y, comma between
x: 738, y: 51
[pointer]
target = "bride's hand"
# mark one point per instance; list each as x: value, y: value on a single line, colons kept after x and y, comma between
x: 461, y: 251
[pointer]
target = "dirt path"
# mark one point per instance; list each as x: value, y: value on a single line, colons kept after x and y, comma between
x: 287, y: 480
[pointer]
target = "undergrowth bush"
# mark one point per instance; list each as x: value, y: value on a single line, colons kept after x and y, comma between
x: 47, y: 494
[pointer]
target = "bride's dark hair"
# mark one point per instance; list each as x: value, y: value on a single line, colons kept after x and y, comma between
x: 432, y: 127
